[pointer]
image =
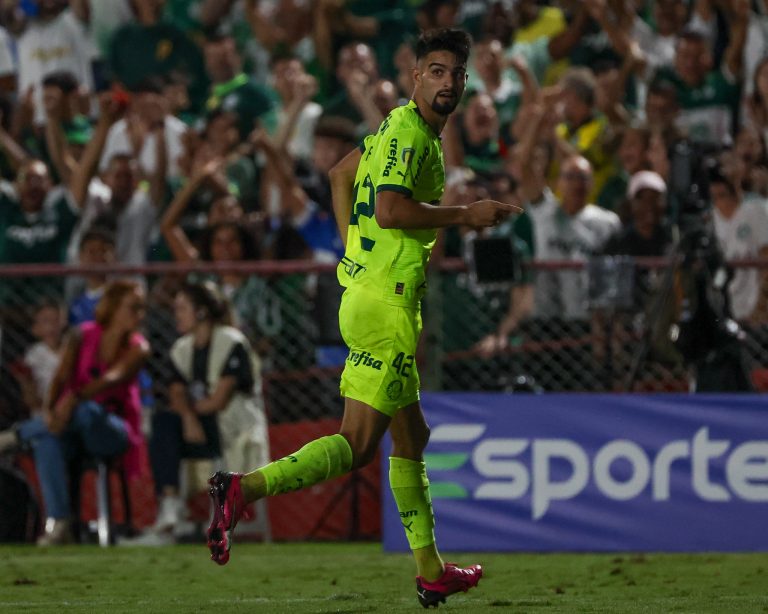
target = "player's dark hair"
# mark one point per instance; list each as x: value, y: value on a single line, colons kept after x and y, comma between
x: 456, y: 41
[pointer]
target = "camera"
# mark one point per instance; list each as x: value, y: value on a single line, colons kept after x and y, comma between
x: 705, y: 333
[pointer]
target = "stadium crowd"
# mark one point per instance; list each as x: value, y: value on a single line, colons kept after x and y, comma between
x: 137, y: 131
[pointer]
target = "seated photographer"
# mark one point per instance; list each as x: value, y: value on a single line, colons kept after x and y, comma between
x: 214, y: 398
x: 741, y: 229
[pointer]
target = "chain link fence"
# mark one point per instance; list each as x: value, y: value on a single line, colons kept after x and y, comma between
x: 579, y: 336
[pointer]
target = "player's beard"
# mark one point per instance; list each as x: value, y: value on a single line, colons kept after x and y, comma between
x: 445, y: 108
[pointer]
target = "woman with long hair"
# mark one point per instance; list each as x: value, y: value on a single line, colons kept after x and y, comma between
x: 93, y: 404
x: 214, y: 398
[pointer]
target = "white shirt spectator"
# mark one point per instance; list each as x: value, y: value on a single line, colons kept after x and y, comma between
x: 119, y: 143
x: 559, y: 236
x: 106, y: 17
x: 743, y: 235
x: 136, y: 223
x: 659, y: 50
x: 302, y: 136
x: 48, y: 46
x: 42, y: 362
x: 7, y: 65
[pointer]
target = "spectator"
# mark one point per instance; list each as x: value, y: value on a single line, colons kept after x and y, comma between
x: 297, y: 115
x: 66, y: 129
x: 92, y: 406
x: 632, y: 158
x: 708, y: 97
x: 569, y: 229
x: 584, y: 130
x: 36, y: 218
x: 232, y: 90
x: 214, y: 393
x: 256, y: 305
x: 97, y: 247
x: 658, y: 41
x: 334, y: 138
x: 125, y: 207
x: 54, y: 40
x: 7, y: 63
x: 34, y: 373
x: 757, y: 102
x: 316, y: 226
x: 741, y: 229
x: 478, y: 145
x: 135, y: 135
x: 505, y: 75
x: 152, y: 47
x: 662, y: 109
x: 356, y: 70
x: 646, y: 234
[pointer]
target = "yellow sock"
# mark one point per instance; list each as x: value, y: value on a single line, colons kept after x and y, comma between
x: 410, y: 488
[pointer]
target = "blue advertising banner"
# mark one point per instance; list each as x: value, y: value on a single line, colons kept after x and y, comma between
x: 594, y: 473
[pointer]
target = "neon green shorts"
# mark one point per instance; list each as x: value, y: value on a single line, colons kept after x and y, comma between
x: 380, y: 370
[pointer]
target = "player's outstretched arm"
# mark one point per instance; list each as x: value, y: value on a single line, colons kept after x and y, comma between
x: 396, y: 210
x: 342, y: 178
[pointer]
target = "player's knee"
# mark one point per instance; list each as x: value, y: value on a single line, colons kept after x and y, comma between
x: 363, y: 449
x: 412, y: 444
x: 363, y: 456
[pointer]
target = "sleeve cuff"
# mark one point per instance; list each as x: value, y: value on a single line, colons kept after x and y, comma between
x: 389, y: 187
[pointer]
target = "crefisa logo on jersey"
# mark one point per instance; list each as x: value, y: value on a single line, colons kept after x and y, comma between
x: 365, y: 359
x: 391, y: 157
x: 548, y: 470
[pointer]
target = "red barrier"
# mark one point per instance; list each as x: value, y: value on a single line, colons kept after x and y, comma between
x: 345, y: 508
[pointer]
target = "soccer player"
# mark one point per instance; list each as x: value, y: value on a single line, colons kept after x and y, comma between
x: 385, y: 198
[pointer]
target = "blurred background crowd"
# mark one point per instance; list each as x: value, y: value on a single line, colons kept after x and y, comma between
x: 202, y: 131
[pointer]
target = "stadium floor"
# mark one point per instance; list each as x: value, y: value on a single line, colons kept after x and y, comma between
x: 353, y: 578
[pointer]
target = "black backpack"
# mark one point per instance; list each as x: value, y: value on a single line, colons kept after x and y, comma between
x: 19, y: 511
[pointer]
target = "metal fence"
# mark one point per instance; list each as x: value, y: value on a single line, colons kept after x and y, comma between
x: 580, y: 336
x: 574, y: 339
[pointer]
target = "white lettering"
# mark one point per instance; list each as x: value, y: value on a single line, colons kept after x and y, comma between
x: 747, y: 471
x: 641, y: 470
x: 703, y: 450
x: 488, y: 464
x: 662, y: 466
x: 544, y: 490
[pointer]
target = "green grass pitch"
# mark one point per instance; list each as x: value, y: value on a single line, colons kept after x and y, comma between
x: 351, y: 578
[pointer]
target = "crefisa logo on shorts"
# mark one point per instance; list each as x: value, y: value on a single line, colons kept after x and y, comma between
x: 365, y: 359
x: 557, y: 469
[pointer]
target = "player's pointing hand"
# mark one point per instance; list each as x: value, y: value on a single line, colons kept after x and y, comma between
x: 483, y: 213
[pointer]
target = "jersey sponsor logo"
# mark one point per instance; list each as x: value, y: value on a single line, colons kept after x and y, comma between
x: 391, y: 157
x: 32, y: 235
x: 534, y: 469
x: 352, y: 268
x: 365, y: 359
x: 400, y: 288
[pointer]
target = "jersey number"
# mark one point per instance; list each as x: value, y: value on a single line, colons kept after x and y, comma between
x: 364, y: 208
x: 403, y: 364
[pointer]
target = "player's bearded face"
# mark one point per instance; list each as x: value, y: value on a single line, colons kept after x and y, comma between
x: 445, y: 101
